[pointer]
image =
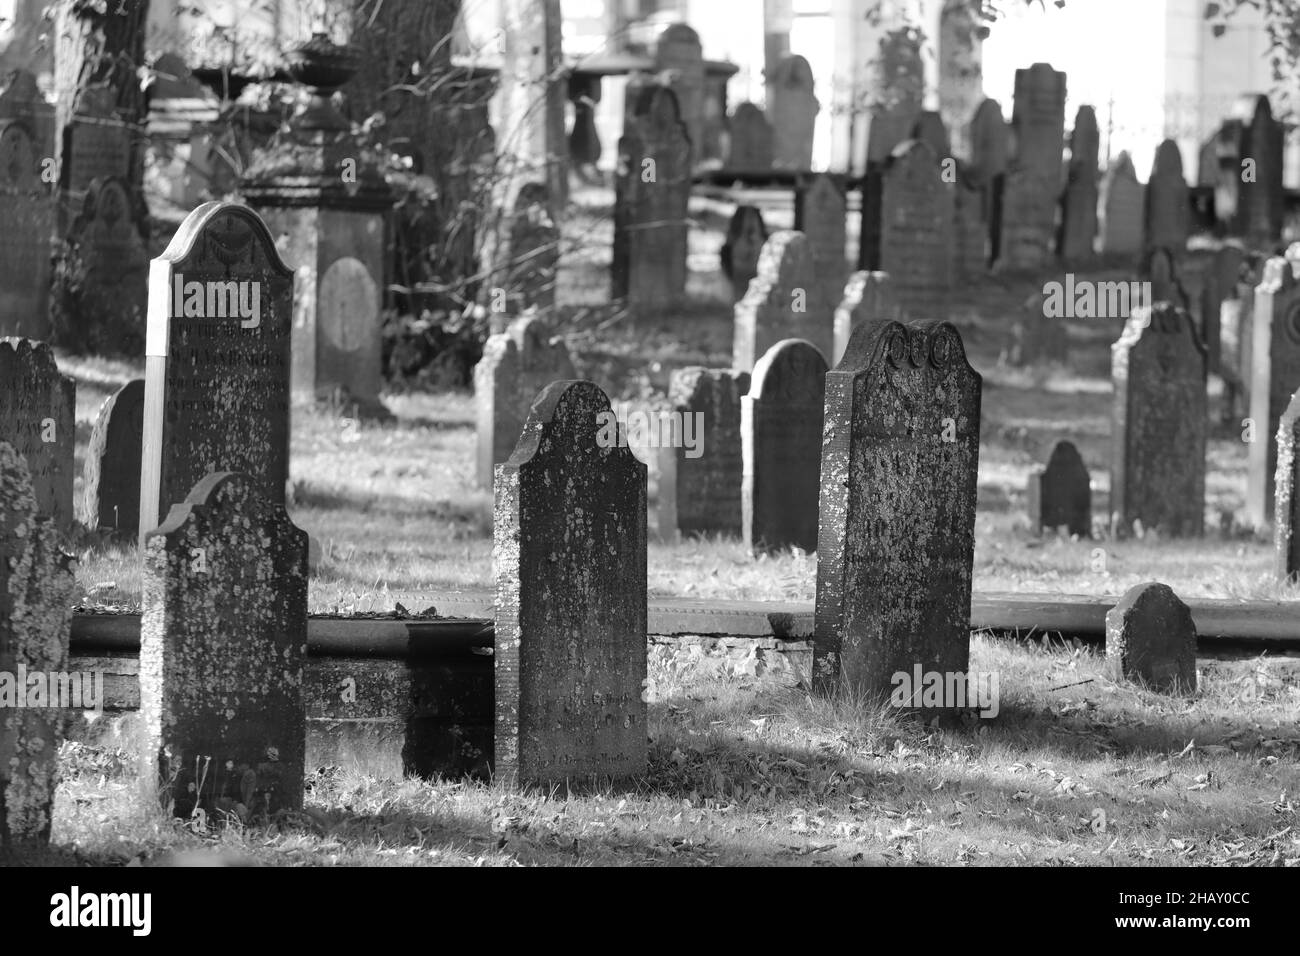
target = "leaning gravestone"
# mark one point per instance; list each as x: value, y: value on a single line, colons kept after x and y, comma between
x: 679, y: 58
x: 699, y: 488
x: 751, y: 139
x: 916, y: 230
x: 1286, y: 521
x: 1168, y: 211
x: 27, y: 211
x: 1060, y: 494
x: 819, y: 213
x: 1274, y: 375
x: 779, y: 302
x: 223, y: 642
x: 1034, y: 179
x: 1079, y: 210
x: 1151, y: 638
x: 792, y: 110
x: 746, y: 234
x: 781, y: 427
x: 569, y: 557
x: 111, y: 482
x: 38, y: 409
x: 1158, y: 427
x: 517, y: 365
x: 1120, y: 226
x: 216, y: 360
x: 899, y: 463
x: 868, y: 297
x: 36, y: 585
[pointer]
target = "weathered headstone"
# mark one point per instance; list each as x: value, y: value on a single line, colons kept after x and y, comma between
x: 970, y: 231
x: 930, y: 130
x: 97, y: 142
x: 990, y: 145
x: 1220, y: 287
x: 896, y: 546
x: 819, y: 213
x: 516, y: 366
x: 534, y: 249
x: 38, y: 418
x: 1150, y: 637
x: 223, y: 641
x: 868, y: 297
x: 1286, y: 500
x: 746, y: 234
x: 751, y: 139
x: 1060, y: 494
x: 216, y: 360
x: 680, y: 60
x: 1160, y: 269
x: 650, y: 204
x: 792, y: 109
x: 1248, y: 195
x: 1034, y: 179
x: 36, y: 586
x: 27, y: 211
x: 1079, y: 211
x: 699, y: 487
x: 22, y: 102
x: 779, y: 302
x: 569, y: 557
x: 111, y: 482
x: 1168, y: 207
x: 916, y: 230
x: 781, y: 428
x: 1274, y: 375
x: 1158, y: 426
x: 1120, y: 228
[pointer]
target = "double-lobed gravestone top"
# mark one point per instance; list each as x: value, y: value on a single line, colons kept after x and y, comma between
x: 1273, y: 374
x: 780, y: 302
x: 217, y: 360
x: 899, y: 463
x: 569, y: 558
x: 223, y: 643
x: 1159, y: 423
x: 1060, y: 493
x: 868, y: 297
x: 38, y: 418
x: 27, y: 211
x: 1151, y: 639
x: 111, y: 476
x: 746, y: 234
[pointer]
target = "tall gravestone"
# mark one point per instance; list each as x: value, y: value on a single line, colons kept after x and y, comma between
x: 1034, y: 178
x: 516, y: 366
x: 217, y: 360
x: 36, y: 588
x: 746, y: 234
x: 569, y: 557
x: 1248, y: 194
x: 1151, y: 638
x: 650, y: 203
x: 38, y: 409
x: 1220, y: 287
x: 223, y: 643
x: 1060, y: 494
x: 27, y: 211
x: 1079, y: 211
x: 868, y: 297
x: 699, y: 488
x: 970, y: 231
x: 1120, y: 228
x: 916, y: 230
x: 1274, y: 375
x: 680, y: 59
x: 1286, y: 503
x: 1158, y: 425
x: 1168, y: 206
x: 990, y: 155
x: 779, y: 302
x: 781, y: 427
x: 792, y: 109
x: 111, y: 478
x: 751, y: 139
x: 895, y: 548
x: 820, y: 213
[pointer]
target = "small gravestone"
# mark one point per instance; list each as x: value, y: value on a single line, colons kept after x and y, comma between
x: 751, y: 140
x: 916, y: 230
x: 1079, y: 210
x: 679, y: 59
x: 1168, y: 211
x: 1151, y: 638
x: 1033, y: 183
x: 38, y: 418
x: 1274, y: 374
x: 223, y: 642
x: 36, y: 595
x: 1286, y: 521
x: 1248, y: 193
x: 1038, y: 335
x: 899, y: 463
x: 1060, y: 494
x: 534, y: 249
x: 746, y: 234
x: 27, y: 211
x: 569, y: 557
x: 517, y: 365
x: 868, y: 297
x: 990, y: 152
x: 217, y: 360
x: 22, y: 101
x: 819, y: 213
x: 111, y: 481
x: 781, y: 427
x: 792, y: 110
x: 699, y: 487
x: 1158, y: 428
x: 97, y: 143
x: 779, y: 302
x: 1119, y: 230
x: 650, y: 203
